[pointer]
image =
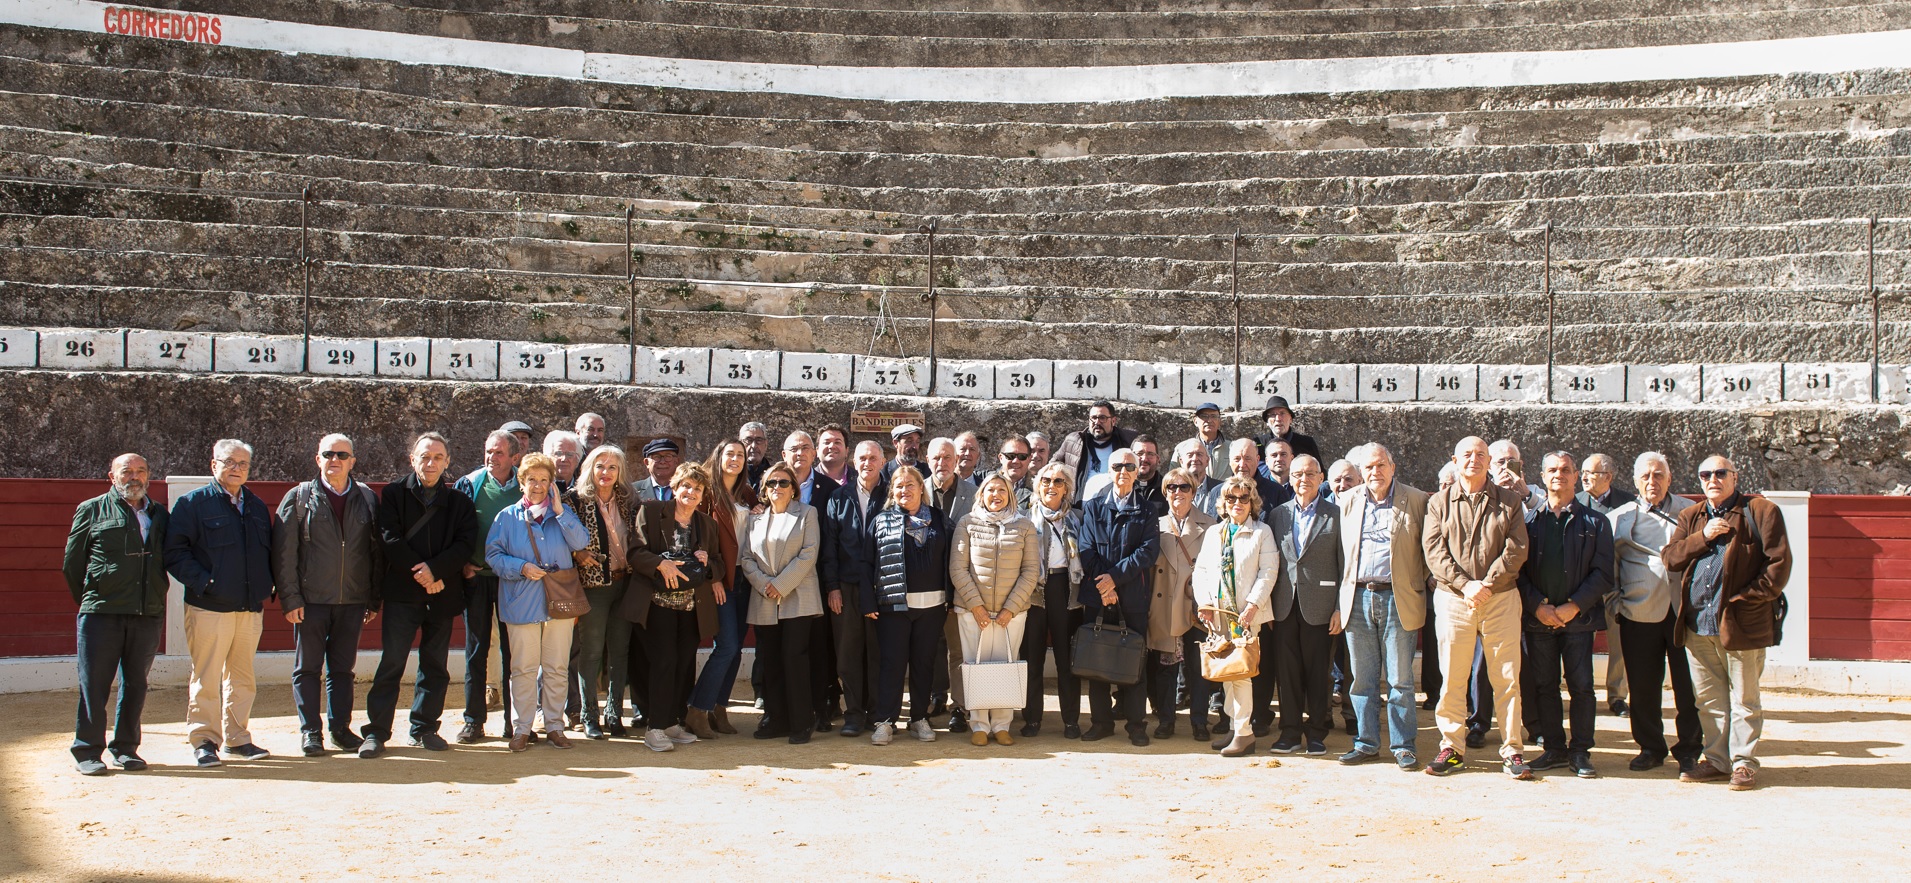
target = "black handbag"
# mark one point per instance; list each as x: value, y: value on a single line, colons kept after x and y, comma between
x: 1113, y: 654
x: 696, y: 574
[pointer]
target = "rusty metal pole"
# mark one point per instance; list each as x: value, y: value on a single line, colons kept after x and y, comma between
x: 630, y: 288
x: 1234, y: 287
x: 1546, y: 280
x: 930, y: 230
x: 1871, y: 288
x: 305, y: 274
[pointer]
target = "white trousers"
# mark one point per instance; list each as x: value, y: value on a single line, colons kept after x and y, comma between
x: 994, y: 649
x: 534, y: 646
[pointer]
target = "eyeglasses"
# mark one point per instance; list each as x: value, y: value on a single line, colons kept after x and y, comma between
x: 336, y: 455
x: 1235, y: 498
x: 777, y: 483
x: 1049, y: 480
x: 1123, y: 467
x: 1709, y: 474
x: 235, y: 464
x: 1013, y: 458
x: 1177, y: 488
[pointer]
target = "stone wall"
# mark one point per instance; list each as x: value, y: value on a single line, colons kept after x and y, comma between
x: 70, y: 425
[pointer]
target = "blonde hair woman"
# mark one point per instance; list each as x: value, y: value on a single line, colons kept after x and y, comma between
x: 907, y: 594
x: 1233, y: 579
x: 1056, y: 613
x: 606, y: 505
x: 995, y: 568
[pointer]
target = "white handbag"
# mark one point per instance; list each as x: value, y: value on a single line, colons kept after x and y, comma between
x: 994, y: 685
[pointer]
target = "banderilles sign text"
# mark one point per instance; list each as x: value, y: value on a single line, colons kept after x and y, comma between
x: 880, y: 422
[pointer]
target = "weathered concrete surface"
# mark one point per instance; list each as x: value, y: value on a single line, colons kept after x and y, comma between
x: 70, y: 425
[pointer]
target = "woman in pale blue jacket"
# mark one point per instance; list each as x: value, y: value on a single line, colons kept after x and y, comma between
x: 536, y: 641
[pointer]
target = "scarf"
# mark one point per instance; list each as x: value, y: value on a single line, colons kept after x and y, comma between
x: 1229, y: 597
x: 1052, y: 526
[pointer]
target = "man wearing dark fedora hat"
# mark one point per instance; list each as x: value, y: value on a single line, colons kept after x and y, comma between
x: 1280, y: 424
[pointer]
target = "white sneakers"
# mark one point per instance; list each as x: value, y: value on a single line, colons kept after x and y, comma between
x: 679, y: 735
x: 922, y: 731
x: 656, y: 740
x: 884, y: 734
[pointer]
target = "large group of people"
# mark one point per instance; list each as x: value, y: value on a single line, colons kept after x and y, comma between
x: 1218, y: 579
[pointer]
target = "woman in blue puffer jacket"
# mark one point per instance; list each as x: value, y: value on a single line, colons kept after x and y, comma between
x: 530, y: 538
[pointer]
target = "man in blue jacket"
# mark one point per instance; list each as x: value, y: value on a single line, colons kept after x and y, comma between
x: 1563, y: 586
x: 219, y: 546
x: 1120, y: 539
x: 844, y: 566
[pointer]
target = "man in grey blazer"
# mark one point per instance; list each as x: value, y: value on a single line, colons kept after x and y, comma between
x: 1646, y: 608
x: 954, y: 497
x: 1383, y: 601
x: 1306, y: 615
x: 661, y: 458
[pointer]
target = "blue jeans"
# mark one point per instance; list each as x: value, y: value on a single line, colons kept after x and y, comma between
x: 113, y: 644
x: 326, y: 643
x: 1380, y: 647
x: 719, y: 675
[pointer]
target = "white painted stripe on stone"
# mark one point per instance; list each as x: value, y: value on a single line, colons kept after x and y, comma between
x: 965, y: 379
x: 1740, y: 384
x: 404, y: 357
x: 1892, y: 384
x: 1031, y: 85
x: 1263, y: 381
x: 892, y: 377
x: 1207, y: 383
x: 258, y: 354
x: 1387, y: 383
x: 1589, y: 384
x: 1663, y: 384
x: 464, y: 359
x: 1025, y: 379
x: 169, y: 350
x: 744, y: 369
x: 342, y: 357
x: 19, y: 347
x: 1512, y: 383
x: 818, y: 372
x: 1086, y: 381
x: 673, y: 366
x: 1828, y: 381
x: 597, y: 363
x: 1449, y: 383
x: 83, y: 348
x: 1324, y: 384
x: 1151, y: 383
x: 527, y: 361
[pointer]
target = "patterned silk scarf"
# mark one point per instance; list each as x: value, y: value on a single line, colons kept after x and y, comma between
x: 1229, y: 597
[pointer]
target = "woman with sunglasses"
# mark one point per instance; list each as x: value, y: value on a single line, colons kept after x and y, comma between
x: 1056, y: 613
x: 1233, y: 579
x: 1174, y: 633
x: 779, y: 560
x: 995, y: 568
x: 728, y: 502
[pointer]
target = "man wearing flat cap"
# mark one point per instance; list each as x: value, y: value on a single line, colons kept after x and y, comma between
x: 661, y: 459
x: 1207, y: 433
x: 907, y: 438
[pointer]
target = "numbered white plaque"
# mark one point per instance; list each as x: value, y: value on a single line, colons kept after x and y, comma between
x: 818, y: 372
x: 520, y: 360
x: 1449, y: 383
x: 1264, y: 381
x: 1755, y: 382
x: 1207, y: 383
x: 1388, y: 383
x: 1151, y: 383
x: 597, y: 363
x: 1026, y: 379
x: 1512, y: 383
x: 1589, y: 383
x: 342, y: 357
x: 19, y: 347
x: 744, y: 369
x: 965, y: 380
x: 404, y: 357
x: 1327, y: 383
x: 83, y: 348
x: 1827, y: 382
x: 673, y: 366
x: 1662, y: 384
x: 169, y: 350
x: 1087, y: 381
x: 255, y: 354
x: 896, y: 377
x: 464, y: 359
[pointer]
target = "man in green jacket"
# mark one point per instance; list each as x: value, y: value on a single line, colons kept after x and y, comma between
x: 114, y: 570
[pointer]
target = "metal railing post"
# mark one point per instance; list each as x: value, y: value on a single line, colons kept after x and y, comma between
x: 1871, y: 289
x: 929, y: 229
x: 305, y: 274
x: 630, y: 289
x: 1234, y: 288
x: 1546, y: 280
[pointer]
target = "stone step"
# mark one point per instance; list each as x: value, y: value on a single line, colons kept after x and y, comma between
x: 700, y: 41
x: 1521, y: 125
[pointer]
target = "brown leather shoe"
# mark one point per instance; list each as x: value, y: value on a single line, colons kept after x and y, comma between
x: 697, y: 721
x: 520, y: 741
x: 1744, y: 778
x: 1002, y: 737
x: 978, y: 737
x: 1702, y: 772
x: 558, y: 739
x: 720, y: 720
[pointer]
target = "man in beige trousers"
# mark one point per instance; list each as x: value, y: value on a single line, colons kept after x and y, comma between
x: 1475, y: 538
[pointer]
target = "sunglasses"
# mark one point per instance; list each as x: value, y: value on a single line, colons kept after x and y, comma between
x: 1235, y: 498
x: 1709, y: 474
x: 336, y: 455
x: 1014, y: 458
x: 1177, y: 488
x: 1050, y: 481
x: 1124, y: 467
x: 777, y: 483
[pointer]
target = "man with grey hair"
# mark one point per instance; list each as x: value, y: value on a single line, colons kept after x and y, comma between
x: 1038, y: 449
x: 591, y: 428
x: 1733, y: 558
x: 566, y: 449
x: 491, y: 487
x: 969, y: 457
x: 112, y: 567
x: 1599, y: 495
x: 1646, y: 609
x: 756, y: 451
x: 1509, y: 471
x: 954, y: 498
x: 1343, y: 476
x: 844, y: 563
x: 1192, y: 455
x: 219, y: 546
x: 327, y: 559
x: 1383, y: 599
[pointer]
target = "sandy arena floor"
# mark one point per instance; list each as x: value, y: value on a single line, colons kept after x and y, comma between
x: 1835, y: 802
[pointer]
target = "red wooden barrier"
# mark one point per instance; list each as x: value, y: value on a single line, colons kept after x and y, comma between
x: 1861, y: 577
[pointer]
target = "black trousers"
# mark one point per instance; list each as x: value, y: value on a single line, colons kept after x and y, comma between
x: 1052, y: 627
x: 1106, y: 700
x: 480, y: 612
x: 1303, y: 666
x: 784, y: 651
x: 1543, y: 656
x: 404, y: 623
x: 327, y: 638
x: 1267, y: 680
x: 636, y: 679
x: 113, y: 644
x: 909, y: 640
x: 1647, y: 648
x: 857, y: 657
x: 670, y: 645
x: 1201, y: 691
